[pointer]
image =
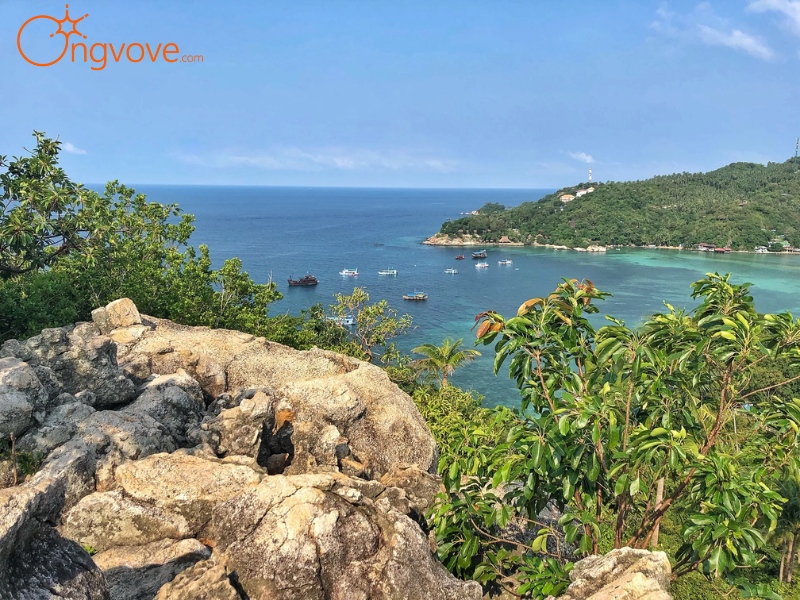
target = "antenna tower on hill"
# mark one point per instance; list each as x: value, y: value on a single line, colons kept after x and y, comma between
x: 590, y: 174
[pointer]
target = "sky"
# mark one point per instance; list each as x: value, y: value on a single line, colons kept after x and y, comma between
x: 490, y: 94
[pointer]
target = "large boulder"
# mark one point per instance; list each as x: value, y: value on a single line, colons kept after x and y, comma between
x: 53, y: 568
x: 208, y: 579
x: 174, y: 400
x: 187, y: 485
x: 35, y: 561
x: 104, y: 520
x: 138, y: 572
x: 79, y: 359
x: 23, y: 399
x: 321, y: 536
x: 622, y: 574
x: 332, y: 398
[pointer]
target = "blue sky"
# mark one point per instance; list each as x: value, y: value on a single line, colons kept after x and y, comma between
x: 415, y: 94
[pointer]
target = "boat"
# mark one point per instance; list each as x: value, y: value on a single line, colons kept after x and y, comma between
x: 460, y: 257
x: 347, y: 321
x: 451, y: 271
x: 483, y: 265
x: 303, y: 281
x: 507, y: 261
x: 416, y: 296
x: 349, y: 272
x: 479, y: 254
x: 388, y: 271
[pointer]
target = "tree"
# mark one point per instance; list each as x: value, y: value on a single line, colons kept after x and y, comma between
x: 605, y: 415
x: 65, y: 250
x: 43, y: 215
x: 376, y: 323
x: 443, y: 360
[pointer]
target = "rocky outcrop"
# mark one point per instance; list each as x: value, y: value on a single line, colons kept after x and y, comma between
x: 329, y: 536
x: 622, y: 574
x: 306, y: 472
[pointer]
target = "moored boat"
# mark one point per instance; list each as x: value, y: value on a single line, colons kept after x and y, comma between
x: 346, y: 321
x: 388, y: 271
x: 507, y: 261
x: 482, y: 265
x: 451, y: 271
x: 460, y: 257
x: 479, y: 254
x: 349, y: 272
x: 416, y: 296
x: 303, y: 281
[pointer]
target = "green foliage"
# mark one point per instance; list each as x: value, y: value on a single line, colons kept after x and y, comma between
x: 89, y: 549
x: 376, y: 324
x: 605, y: 415
x: 442, y: 360
x: 27, y: 463
x: 491, y: 208
x: 97, y: 248
x: 43, y: 215
x: 741, y: 205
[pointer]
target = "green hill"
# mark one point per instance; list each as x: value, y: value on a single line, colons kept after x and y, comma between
x: 742, y: 205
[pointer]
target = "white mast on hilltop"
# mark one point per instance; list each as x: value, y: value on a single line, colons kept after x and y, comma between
x: 590, y: 174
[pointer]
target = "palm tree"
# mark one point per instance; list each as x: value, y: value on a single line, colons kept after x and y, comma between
x: 443, y: 360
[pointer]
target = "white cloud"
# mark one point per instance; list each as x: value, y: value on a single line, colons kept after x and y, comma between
x: 704, y: 25
x: 736, y: 39
x: 297, y: 159
x: 72, y: 149
x: 582, y: 156
x: 789, y: 8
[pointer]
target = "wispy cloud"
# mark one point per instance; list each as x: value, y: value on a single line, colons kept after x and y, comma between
x: 582, y: 156
x: 703, y: 25
x: 296, y: 159
x: 736, y: 39
x: 789, y: 8
x: 71, y: 148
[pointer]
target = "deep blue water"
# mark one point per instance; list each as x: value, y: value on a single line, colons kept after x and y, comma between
x: 291, y: 231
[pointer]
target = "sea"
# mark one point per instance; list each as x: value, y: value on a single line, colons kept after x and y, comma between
x: 282, y: 232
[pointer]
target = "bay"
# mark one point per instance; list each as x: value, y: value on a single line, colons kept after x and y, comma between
x: 280, y: 232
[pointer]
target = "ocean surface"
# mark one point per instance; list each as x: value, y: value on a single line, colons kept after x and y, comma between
x: 280, y: 232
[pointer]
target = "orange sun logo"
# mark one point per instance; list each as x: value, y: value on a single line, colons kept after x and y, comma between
x: 73, y: 29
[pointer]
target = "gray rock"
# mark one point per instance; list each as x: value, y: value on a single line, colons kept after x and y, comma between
x: 52, y: 568
x: 622, y: 574
x: 135, y: 435
x: 104, y: 520
x: 59, y: 426
x: 206, y: 580
x: 79, y: 359
x: 66, y: 476
x: 175, y: 401
x: 23, y: 399
x: 119, y: 313
x: 188, y: 485
x: 316, y: 537
x: 138, y: 572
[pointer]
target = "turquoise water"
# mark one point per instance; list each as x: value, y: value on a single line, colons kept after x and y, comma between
x: 291, y: 231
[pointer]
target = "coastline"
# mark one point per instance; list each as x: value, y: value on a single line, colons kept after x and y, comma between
x: 445, y: 241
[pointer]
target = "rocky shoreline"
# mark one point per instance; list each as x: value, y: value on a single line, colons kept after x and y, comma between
x: 467, y: 241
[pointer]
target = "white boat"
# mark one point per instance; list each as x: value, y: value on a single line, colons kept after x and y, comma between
x: 451, y: 271
x: 482, y: 265
x: 507, y: 261
x: 348, y: 321
x: 349, y: 272
x: 388, y: 271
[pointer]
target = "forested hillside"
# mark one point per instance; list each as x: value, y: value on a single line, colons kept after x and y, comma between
x: 741, y: 205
